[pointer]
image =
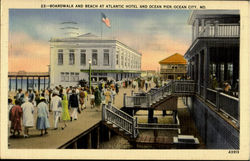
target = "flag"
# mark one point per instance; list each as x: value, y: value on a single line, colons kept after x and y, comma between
x: 105, y: 20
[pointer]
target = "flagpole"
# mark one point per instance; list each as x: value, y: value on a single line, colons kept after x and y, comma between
x: 101, y: 26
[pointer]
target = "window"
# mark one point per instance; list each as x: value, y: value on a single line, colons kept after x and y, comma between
x: 71, y: 57
x: 117, y: 59
x: 83, y: 57
x: 122, y: 59
x: 62, y: 76
x: 66, y: 78
x: 106, y: 57
x: 60, y: 57
x: 94, y: 57
x: 76, y: 77
x: 72, y: 77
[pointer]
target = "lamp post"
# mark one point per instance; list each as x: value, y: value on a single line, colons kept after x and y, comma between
x: 89, y: 75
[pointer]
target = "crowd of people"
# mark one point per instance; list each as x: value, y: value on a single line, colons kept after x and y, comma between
x: 65, y: 104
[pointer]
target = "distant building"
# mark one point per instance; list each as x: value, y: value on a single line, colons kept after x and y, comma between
x: 110, y: 59
x: 213, y: 58
x: 173, y: 67
x: 148, y: 73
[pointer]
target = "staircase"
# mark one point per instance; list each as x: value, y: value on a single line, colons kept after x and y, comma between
x: 120, y: 122
x: 157, y: 97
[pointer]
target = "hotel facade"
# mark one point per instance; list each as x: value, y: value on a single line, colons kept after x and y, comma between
x: 72, y: 58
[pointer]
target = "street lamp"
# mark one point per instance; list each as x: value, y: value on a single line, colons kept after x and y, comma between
x: 90, y: 75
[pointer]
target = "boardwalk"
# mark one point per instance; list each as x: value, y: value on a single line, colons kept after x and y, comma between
x: 57, y: 138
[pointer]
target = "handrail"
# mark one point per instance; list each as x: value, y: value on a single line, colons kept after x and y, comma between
x: 172, y: 87
x: 120, y: 119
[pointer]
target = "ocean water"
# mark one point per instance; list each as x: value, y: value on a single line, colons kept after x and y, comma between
x: 31, y: 84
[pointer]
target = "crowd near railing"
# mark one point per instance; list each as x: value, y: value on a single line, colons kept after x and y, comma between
x: 120, y: 119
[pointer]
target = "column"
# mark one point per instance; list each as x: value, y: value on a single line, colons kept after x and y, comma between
x: 33, y: 84
x: 195, y: 68
x: 196, y: 28
x: 208, y: 33
x: 38, y: 83
x: 216, y: 28
x: 199, y: 72
x: 150, y: 115
x: 22, y: 82
x: 10, y: 84
x: 206, y: 70
x: 27, y: 83
x: 98, y: 138
x: 89, y: 141
x: 124, y: 100
x: 193, y: 32
x: 164, y: 112
x: 74, y: 145
x: 16, y: 83
x: 203, y: 27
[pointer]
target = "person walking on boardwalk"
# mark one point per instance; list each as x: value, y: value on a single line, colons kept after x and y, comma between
x: 116, y: 88
x: 113, y: 93
x: 42, y: 116
x: 92, y: 98
x: 20, y: 96
x: 73, y: 102
x: 65, y: 111
x: 98, y: 98
x: 56, y: 107
x: 107, y: 96
x: 28, y: 117
x: 85, y: 98
x: 15, y: 117
x: 81, y: 99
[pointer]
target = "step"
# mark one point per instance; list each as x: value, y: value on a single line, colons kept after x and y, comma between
x: 114, y: 126
x: 109, y: 123
x: 120, y: 129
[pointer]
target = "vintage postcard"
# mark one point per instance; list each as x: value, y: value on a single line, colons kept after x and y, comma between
x: 125, y: 79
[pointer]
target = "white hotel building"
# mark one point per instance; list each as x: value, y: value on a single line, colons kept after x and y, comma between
x: 110, y: 59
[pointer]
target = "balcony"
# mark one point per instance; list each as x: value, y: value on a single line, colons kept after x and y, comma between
x: 219, y: 30
x: 173, y: 71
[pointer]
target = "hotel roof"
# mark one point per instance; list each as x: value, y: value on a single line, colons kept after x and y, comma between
x: 174, y: 59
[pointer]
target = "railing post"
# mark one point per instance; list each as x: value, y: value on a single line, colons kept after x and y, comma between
x: 173, y: 86
x: 103, y: 112
x: 124, y: 99
x: 218, y: 100
x: 136, y: 124
x: 149, y: 99
x: 133, y: 128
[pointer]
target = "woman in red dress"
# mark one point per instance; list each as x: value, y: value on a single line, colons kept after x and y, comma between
x: 16, y: 115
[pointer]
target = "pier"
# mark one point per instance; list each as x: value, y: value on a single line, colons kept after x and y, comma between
x: 28, y: 76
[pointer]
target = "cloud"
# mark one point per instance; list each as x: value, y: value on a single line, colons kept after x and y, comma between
x: 154, y: 48
x: 26, y: 53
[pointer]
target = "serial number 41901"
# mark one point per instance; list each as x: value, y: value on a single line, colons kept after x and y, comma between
x: 233, y: 152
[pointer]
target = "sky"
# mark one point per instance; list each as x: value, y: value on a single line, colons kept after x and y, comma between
x: 156, y: 34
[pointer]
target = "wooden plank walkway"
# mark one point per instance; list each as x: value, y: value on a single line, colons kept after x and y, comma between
x: 57, y: 138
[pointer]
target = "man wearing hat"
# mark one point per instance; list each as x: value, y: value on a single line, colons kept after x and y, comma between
x: 56, y: 107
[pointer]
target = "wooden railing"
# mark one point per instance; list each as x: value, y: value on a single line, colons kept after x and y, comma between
x: 173, y: 70
x: 220, y: 30
x: 145, y: 100
x: 120, y: 119
x: 224, y: 102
